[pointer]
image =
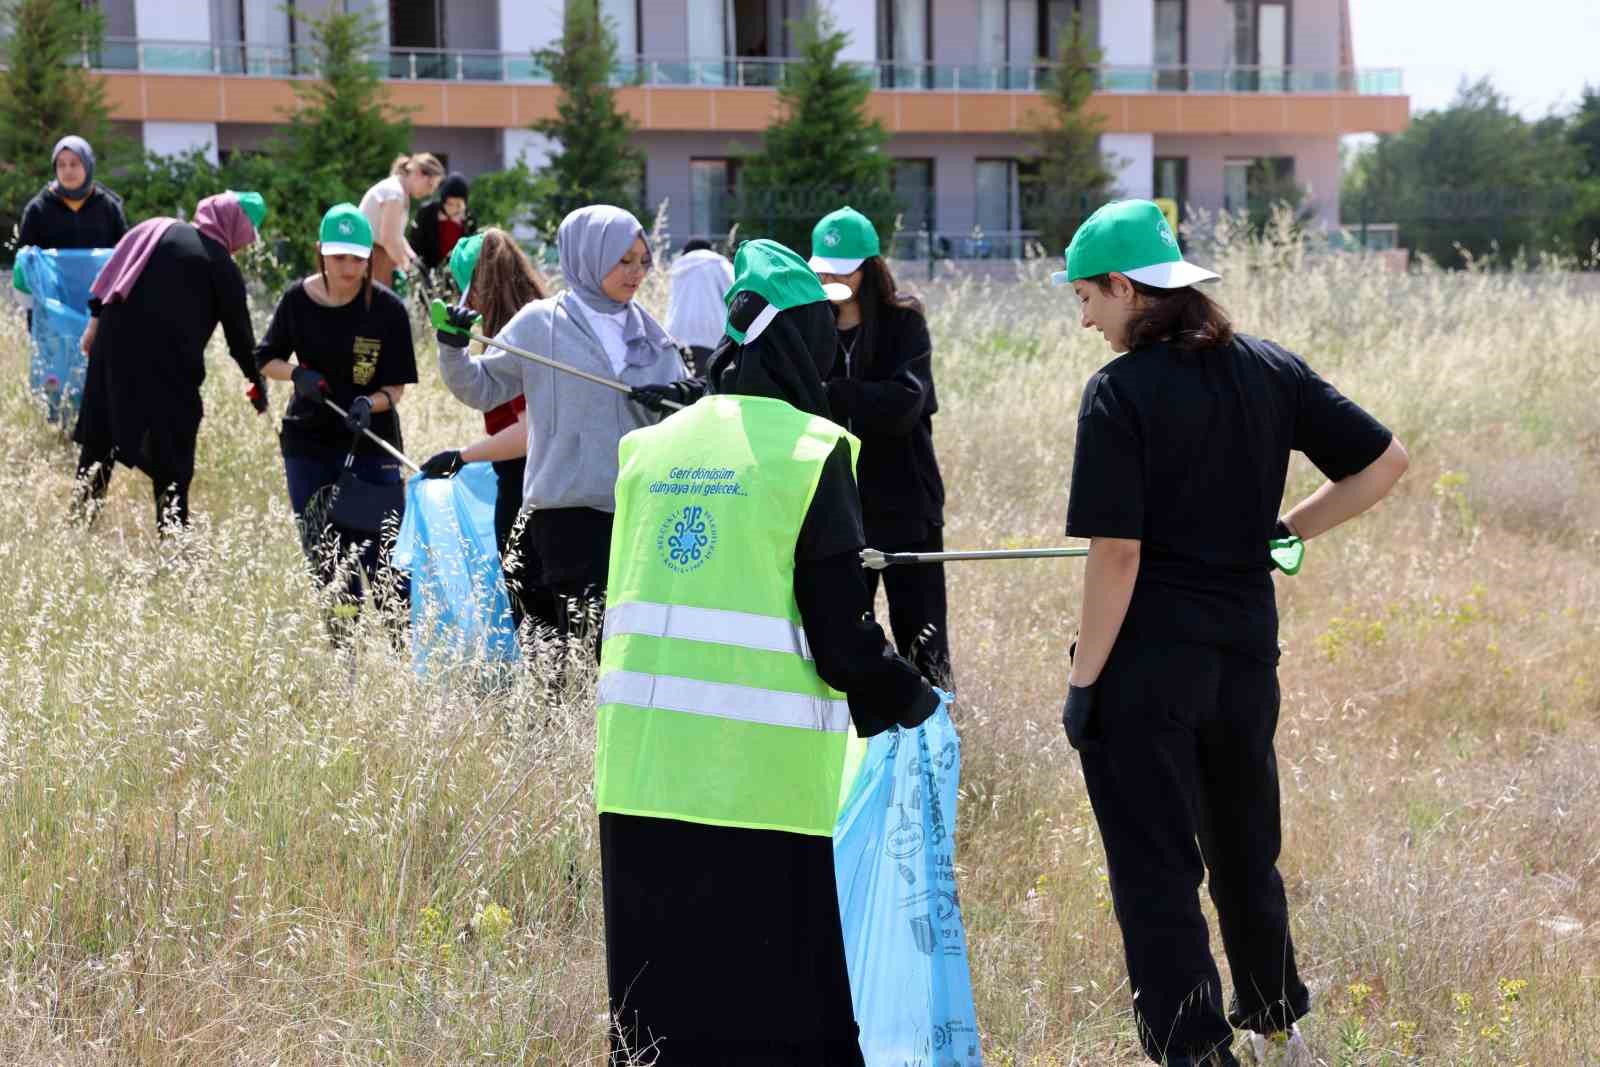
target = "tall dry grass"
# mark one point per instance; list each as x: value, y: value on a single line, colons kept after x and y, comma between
x: 223, y: 843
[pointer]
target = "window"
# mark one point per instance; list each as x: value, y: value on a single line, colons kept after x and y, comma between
x: 1171, y: 50
x: 997, y: 211
x: 1260, y: 44
x: 1252, y: 185
x: 713, y: 190
x: 1172, y: 181
x: 419, y: 26
x: 1054, y: 20
x: 912, y: 182
x: 904, y: 43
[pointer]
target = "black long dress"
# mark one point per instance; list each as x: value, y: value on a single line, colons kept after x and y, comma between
x: 141, y: 396
x: 724, y: 946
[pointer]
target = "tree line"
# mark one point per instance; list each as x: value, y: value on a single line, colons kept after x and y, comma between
x: 1477, y: 182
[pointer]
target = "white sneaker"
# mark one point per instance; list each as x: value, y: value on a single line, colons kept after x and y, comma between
x: 1283, y: 1049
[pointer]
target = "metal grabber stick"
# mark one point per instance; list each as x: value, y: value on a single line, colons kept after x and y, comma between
x: 1287, y: 555
x: 437, y: 311
x: 380, y: 442
x: 873, y: 559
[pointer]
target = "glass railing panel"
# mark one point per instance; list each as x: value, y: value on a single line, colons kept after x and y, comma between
x: 480, y: 67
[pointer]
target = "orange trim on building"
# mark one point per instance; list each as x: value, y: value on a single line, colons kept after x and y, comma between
x: 231, y: 98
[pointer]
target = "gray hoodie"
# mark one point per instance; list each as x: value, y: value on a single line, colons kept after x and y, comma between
x: 574, y: 426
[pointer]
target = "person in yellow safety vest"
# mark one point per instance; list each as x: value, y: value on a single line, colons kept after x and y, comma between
x: 738, y: 651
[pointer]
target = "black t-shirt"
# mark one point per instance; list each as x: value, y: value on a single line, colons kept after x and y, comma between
x: 1188, y: 452
x: 359, y: 349
x: 889, y: 404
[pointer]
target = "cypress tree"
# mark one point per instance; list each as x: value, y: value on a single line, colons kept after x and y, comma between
x: 596, y: 162
x: 1072, y: 178
x: 343, y: 135
x: 822, y: 152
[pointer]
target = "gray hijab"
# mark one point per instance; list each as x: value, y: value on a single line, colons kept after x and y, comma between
x: 80, y: 148
x: 590, y: 242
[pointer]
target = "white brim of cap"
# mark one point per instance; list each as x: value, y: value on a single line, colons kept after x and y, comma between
x: 837, y: 292
x: 1174, y: 275
x: 1161, y: 276
x: 760, y: 323
x: 340, y: 248
x: 824, y: 265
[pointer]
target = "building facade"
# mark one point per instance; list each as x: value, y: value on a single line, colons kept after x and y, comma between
x: 1208, y: 102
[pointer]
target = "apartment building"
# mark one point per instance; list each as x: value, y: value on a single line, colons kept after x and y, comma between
x: 1199, y: 98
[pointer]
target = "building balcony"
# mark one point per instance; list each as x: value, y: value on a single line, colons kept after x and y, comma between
x: 149, y: 80
x: 426, y: 64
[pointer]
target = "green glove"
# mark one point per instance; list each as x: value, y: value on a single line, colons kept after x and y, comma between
x: 1286, y: 549
x: 19, y: 281
x: 452, y: 325
x: 399, y: 283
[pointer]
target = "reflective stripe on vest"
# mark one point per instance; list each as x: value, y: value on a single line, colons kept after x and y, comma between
x: 711, y: 625
x: 744, y: 703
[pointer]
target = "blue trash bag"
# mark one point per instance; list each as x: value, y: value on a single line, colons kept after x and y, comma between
x: 446, y: 542
x: 894, y: 857
x: 59, y: 280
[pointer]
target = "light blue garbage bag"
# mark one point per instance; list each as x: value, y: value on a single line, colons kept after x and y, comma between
x: 446, y: 542
x: 894, y: 857
x: 59, y: 281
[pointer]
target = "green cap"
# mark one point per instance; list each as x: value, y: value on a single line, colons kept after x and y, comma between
x: 841, y: 240
x: 1130, y: 237
x: 254, y: 206
x: 464, y: 260
x: 768, y: 278
x: 345, y: 232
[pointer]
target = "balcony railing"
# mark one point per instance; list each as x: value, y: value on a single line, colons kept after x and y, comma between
x: 467, y: 65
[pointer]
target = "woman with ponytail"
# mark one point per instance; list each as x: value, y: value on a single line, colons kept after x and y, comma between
x: 387, y: 206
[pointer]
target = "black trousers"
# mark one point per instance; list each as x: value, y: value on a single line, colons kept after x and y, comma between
x: 95, y: 466
x: 525, y: 589
x: 724, y: 947
x: 1185, y: 784
x: 918, y: 614
x: 571, y: 551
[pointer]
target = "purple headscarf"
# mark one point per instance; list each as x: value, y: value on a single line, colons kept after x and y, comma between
x: 219, y: 217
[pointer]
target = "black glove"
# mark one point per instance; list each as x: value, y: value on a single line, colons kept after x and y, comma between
x: 454, y: 325
x: 442, y: 464
x: 257, y: 394
x: 654, y: 397
x: 309, y: 384
x: 359, y: 417
x: 1281, y: 531
x: 918, y: 713
x: 1078, y: 718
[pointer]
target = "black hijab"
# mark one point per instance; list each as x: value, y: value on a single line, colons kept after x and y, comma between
x: 789, y: 361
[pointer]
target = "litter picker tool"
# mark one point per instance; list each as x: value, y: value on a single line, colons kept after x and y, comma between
x: 873, y: 559
x: 374, y: 438
x: 1287, y: 555
x: 439, y: 313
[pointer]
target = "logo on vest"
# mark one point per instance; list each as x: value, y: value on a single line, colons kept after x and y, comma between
x: 687, y: 539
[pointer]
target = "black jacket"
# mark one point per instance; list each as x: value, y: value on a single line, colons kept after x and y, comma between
x: 424, y: 236
x: 890, y: 404
x: 47, y: 221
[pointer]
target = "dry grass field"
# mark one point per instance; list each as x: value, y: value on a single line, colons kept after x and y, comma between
x: 221, y: 843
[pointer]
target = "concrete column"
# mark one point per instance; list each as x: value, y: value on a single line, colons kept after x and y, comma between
x: 163, y: 20
x: 177, y: 138
x: 1128, y: 33
x: 534, y: 149
x: 1132, y: 156
x: 859, y: 19
x: 529, y: 25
